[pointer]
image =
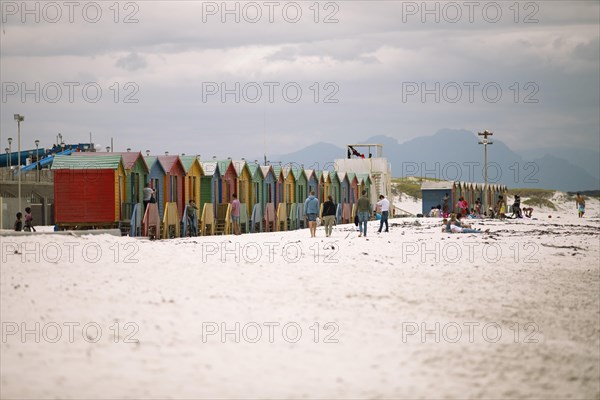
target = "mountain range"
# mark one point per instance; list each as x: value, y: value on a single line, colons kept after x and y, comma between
x: 451, y: 154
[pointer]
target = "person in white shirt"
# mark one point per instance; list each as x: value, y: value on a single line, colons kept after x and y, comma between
x: 384, y: 204
x: 148, y: 192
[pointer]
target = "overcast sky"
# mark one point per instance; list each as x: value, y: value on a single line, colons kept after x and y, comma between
x: 320, y: 71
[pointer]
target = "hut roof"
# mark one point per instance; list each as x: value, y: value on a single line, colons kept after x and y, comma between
x: 187, y: 162
x: 432, y: 185
x: 209, y: 167
x: 90, y: 162
x: 224, y: 165
x: 129, y: 157
x: 239, y: 165
x: 168, y: 161
x: 265, y: 170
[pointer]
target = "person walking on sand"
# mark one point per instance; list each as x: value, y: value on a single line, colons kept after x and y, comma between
x: 19, y: 223
x: 580, y: 204
x: 191, y: 218
x: 445, y: 201
x: 28, y: 221
x: 385, y: 208
x: 235, y: 214
x: 147, y: 192
x: 328, y: 215
x: 311, y: 208
x: 363, y: 210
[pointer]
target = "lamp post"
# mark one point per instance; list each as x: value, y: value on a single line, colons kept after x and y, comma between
x: 108, y: 149
x: 37, y: 158
x: 485, y: 143
x: 10, y: 151
x: 19, y: 118
x: 147, y: 153
x: 7, y: 152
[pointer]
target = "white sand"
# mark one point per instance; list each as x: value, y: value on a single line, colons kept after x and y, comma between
x: 546, y: 275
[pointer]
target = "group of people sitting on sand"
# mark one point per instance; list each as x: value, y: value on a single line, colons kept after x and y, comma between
x: 455, y: 225
x: 498, y: 211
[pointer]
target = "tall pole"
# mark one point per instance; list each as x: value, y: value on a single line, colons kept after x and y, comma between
x: 19, y: 118
x: 37, y: 159
x: 485, y: 143
x: 10, y: 151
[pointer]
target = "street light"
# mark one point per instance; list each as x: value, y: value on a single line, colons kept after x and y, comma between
x: 37, y: 158
x: 108, y: 149
x: 485, y: 143
x: 19, y: 118
x: 10, y: 151
x: 147, y: 153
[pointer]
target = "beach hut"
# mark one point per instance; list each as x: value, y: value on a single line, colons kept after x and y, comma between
x: 312, y: 180
x: 193, y: 178
x: 174, y: 182
x: 335, y: 189
x: 156, y: 180
x: 364, y: 183
x: 353, y: 185
x: 136, y: 171
x: 301, y: 182
x: 269, y: 196
x: 344, y: 188
x: 432, y: 193
x: 257, y: 200
x: 257, y: 177
x: 227, y: 184
x: 279, y: 184
x: 244, y: 184
x: 88, y: 191
x: 289, y: 185
x: 208, y: 182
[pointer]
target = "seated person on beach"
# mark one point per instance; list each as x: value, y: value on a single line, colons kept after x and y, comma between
x: 528, y: 211
x: 432, y: 213
x: 457, y: 227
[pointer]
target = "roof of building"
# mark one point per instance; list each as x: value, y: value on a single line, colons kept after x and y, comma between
x: 90, y: 162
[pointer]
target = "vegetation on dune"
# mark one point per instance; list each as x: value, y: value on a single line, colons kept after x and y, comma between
x: 540, y: 202
x: 410, y: 185
x: 412, y: 189
x: 533, y: 193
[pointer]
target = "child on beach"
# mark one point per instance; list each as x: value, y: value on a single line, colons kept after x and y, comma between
x: 580, y: 204
x: 18, y: 223
x: 28, y: 220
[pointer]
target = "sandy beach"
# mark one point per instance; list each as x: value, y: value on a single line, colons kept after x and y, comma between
x: 414, y: 313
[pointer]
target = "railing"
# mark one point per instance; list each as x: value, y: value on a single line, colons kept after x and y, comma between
x: 45, y: 175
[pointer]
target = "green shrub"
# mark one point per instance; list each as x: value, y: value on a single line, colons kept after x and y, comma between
x: 540, y: 202
x: 531, y: 192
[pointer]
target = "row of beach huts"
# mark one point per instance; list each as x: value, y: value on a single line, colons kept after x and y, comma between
x: 105, y: 190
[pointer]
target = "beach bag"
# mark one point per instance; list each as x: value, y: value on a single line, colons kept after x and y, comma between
x: 356, y: 220
x: 318, y: 221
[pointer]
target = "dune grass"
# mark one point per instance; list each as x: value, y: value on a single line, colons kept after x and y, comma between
x: 540, y: 202
x: 533, y: 193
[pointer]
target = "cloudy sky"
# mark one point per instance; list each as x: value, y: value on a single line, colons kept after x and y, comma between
x: 241, y: 78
